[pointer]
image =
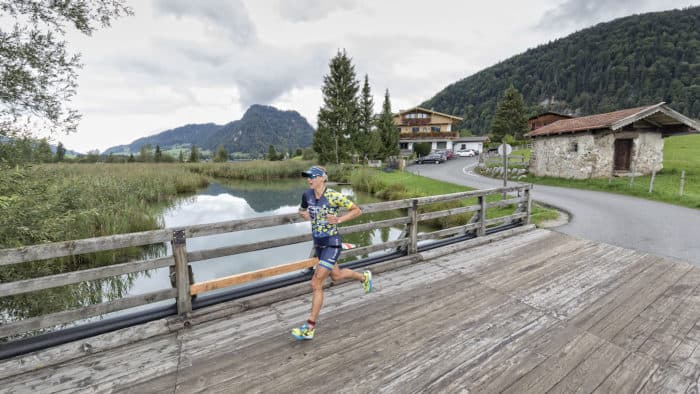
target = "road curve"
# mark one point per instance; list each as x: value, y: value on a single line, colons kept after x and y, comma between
x: 661, y: 229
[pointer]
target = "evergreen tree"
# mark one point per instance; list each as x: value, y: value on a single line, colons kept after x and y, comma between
x: 181, y: 157
x: 60, y: 152
x: 338, y: 118
x: 221, y: 154
x: 388, y: 131
x: 363, y: 140
x: 510, y: 117
x: 194, y: 154
x: 131, y: 158
x: 158, y: 155
x: 145, y: 153
x: 272, y: 153
x: 43, y: 152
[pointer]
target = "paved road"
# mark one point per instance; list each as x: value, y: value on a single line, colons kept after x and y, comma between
x: 661, y: 229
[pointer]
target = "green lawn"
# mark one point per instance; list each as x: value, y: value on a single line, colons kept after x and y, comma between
x: 681, y: 153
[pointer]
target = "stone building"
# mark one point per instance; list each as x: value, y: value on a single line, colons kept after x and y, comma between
x: 611, y: 144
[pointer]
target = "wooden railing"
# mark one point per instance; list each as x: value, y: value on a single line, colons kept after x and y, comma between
x: 180, y: 259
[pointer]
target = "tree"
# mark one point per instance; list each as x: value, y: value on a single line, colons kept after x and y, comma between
x: 131, y: 158
x: 221, y: 155
x: 43, y: 152
x: 158, y: 156
x: 145, y: 153
x: 272, y: 153
x: 181, y: 157
x: 338, y: 118
x: 510, y: 117
x: 60, y: 152
x: 363, y: 140
x: 388, y: 132
x: 194, y: 154
x: 37, y: 73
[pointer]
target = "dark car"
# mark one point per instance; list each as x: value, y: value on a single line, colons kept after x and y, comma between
x: 447, y: 153
x: 431, y: 158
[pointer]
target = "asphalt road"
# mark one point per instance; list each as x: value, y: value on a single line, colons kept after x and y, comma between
x: 661, y: 229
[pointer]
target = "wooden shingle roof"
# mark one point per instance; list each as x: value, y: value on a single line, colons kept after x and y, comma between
x: 659, y: 115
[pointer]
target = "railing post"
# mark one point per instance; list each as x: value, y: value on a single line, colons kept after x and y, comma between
x: 482, y: 217
x: 182, y: 279
x: 528, y: 205
x: 413, y: 229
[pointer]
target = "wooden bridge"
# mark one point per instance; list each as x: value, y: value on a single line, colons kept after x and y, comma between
x: 520, y: 310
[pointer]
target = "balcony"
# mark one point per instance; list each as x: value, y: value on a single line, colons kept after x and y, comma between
x: 416, y: 121
x: 430, y: 135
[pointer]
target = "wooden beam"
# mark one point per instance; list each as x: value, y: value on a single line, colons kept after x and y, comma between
x: 68, y: 278
x: 237, y: 279
x: 80, y: 246
x: 39, y: 322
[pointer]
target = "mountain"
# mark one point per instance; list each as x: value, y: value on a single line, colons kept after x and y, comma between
x: 260, y: 127
x: 628, y: 62
x: 188, y: 134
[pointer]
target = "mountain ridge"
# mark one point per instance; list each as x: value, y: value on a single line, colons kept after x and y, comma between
x: 259, y: 127
x: 628, y: 62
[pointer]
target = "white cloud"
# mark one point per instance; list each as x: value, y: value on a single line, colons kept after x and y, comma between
x: 180, y: 61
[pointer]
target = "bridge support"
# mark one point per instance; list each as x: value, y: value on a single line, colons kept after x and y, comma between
x: 182, y: 278
x: 413, y: 229
x: 481, y: 231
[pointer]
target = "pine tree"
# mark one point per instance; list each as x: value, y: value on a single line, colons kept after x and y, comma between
x: 510, y: 117
x: 363, y: 140
x: 181, y: 158
x: 272, y: 153
x: 388, y: 132
x: 221, y: 154
x: 43, y: 152
x: 60, y: 152
x: 158, y: 155
x: 338, y: 118
x: 194, y: 154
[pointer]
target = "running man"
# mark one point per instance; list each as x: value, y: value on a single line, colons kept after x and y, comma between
x: 321, y: 206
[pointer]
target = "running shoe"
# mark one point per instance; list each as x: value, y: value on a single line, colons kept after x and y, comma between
x: 367, y: 283
x: 303, y: 332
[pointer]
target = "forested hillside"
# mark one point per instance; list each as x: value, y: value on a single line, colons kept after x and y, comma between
x: 260, y: 127
x: 629, y: 62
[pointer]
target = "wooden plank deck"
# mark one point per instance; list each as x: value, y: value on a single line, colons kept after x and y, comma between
x: 537, y: 312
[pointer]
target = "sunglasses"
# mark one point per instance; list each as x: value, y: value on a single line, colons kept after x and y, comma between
x: 313, y: 176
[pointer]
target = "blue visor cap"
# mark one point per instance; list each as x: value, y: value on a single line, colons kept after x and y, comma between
x: 313, y: 172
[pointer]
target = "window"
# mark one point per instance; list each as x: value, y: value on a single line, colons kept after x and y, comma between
x: 415, y: 129
x: 425, y: 129
x: 573, y: 147
x: 442, y: 145
x: 403, y: 145
x: 435, y: 129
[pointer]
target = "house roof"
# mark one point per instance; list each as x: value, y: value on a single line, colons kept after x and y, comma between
x: 427, y: 110
x: 549, y: 113
x: 658, y: 115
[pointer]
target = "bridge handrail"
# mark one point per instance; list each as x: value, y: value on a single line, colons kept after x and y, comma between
x: 181, y: 258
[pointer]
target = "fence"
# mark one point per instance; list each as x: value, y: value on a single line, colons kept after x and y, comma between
x: 181, y: 259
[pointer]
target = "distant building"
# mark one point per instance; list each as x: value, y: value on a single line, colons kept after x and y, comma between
x: 418, y: 124
x: 544, y: 119
x: 603, y: 145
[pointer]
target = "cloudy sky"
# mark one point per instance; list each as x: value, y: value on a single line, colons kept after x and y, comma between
x: 177, y: 62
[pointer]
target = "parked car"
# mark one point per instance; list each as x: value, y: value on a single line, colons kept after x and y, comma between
x: 466, y: 153
x: 431, y: 158
x: 447, y: 153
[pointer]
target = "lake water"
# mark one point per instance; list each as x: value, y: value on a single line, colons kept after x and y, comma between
x: 245, y: 200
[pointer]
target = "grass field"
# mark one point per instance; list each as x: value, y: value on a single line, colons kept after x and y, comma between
x: 681, y: 153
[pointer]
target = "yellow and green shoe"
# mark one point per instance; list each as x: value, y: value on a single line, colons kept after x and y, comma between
x: 303, y: 332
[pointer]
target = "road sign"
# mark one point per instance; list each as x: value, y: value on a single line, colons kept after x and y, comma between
x: 504, y: 147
